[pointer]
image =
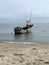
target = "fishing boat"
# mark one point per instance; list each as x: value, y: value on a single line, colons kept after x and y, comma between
x: 25, y: 29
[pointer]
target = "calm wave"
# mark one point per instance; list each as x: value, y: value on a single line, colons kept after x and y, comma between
x: 40, y: 33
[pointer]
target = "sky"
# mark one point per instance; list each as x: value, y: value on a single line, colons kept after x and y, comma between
x: 19, y: 8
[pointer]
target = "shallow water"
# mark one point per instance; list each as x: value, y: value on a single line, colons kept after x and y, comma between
x: 40, y: 33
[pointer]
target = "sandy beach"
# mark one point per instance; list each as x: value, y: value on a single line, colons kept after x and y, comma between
x: 24, y: 54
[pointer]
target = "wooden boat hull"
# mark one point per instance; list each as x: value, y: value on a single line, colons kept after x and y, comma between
x: 23, y: 32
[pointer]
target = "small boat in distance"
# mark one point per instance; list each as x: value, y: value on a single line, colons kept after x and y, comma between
x: 25, y: 29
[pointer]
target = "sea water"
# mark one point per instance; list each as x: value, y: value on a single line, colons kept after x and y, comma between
x: 39, y: 34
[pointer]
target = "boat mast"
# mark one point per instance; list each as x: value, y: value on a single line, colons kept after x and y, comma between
x: 29, y: 21
x: 30, y: 18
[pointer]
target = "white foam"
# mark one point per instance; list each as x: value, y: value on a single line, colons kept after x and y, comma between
x: 17, y: 42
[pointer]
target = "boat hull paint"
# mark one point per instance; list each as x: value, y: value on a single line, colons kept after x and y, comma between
x: 23, y: 32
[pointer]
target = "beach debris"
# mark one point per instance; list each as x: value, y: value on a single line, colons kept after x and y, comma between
x: 34, y: 48
x: 46, y: 62
x: 2, y: 56
x: 16, y: 54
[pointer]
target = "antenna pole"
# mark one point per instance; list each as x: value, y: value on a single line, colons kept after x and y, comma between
x: 30, y: 18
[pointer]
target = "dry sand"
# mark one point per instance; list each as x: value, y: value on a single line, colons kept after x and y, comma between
x: 24, y: 54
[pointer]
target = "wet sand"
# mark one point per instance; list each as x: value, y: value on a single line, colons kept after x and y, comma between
x: 24, y: 54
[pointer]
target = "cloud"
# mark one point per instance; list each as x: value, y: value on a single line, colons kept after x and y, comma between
x: 18, y: 8
x: 6, y: 16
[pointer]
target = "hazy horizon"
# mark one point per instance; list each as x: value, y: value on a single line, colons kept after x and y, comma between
x: 20, y: 9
